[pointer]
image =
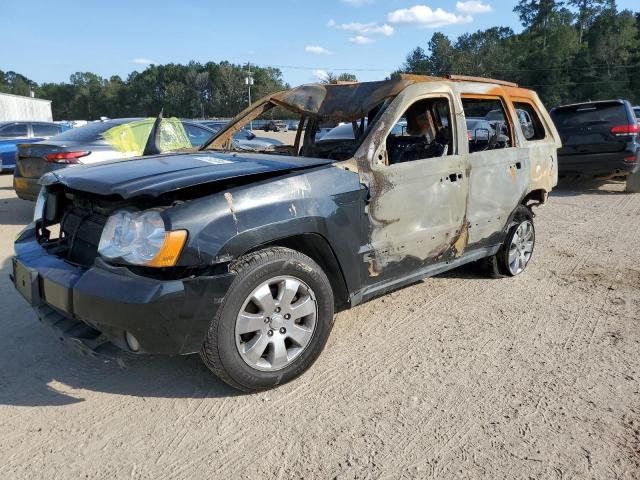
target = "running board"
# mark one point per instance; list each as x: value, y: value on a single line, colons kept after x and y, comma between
x: 381, y: 288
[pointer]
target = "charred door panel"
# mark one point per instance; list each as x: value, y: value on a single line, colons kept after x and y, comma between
x: 499, y: 179
x: 417, y: 208
x: 499, y: 173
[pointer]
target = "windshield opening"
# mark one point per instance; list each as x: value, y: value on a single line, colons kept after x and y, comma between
x: 284, y: 131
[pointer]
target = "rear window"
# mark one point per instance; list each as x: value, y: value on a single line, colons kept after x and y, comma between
x: 88, y: 133
x: 44, y: 130
x: 589, y: 115
x: 532, y: 126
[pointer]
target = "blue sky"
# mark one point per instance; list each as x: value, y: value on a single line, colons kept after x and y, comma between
x: 47, y: 40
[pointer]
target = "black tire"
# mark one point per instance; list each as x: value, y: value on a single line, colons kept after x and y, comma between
x: 633, y: 183
x: 219, y: 351
x: 497, y: 266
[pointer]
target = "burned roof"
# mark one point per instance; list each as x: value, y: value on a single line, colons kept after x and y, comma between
x: 340, y: 102
x: 350, y: 101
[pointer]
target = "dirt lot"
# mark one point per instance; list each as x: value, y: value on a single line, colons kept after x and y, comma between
x: 454, y: 377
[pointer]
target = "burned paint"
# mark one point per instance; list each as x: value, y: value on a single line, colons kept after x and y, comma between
x: 433, y: 208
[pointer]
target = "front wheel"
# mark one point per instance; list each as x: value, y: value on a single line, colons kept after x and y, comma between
x: 273, y: 323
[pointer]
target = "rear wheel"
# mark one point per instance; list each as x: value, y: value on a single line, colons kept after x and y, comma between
x: 274, y: 322
x: 516, y: 251
x: 633, y: 183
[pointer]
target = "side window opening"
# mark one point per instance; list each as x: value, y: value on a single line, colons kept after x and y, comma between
x: 532, y: 126
x: 488, y: 125
x: 422, y: 132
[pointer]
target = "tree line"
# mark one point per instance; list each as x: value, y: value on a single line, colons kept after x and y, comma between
x: 570, y: 51
x: 194, y: 90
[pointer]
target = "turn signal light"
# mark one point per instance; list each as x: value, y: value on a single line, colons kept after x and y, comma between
x: 170, y: 250
x: 65, y: 157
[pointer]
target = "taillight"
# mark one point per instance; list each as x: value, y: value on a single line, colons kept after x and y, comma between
x: 630, y: 129
x: 65, y: 157
x: 630, y: 158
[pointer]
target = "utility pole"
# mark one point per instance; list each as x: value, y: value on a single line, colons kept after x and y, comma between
x: 248, y: 81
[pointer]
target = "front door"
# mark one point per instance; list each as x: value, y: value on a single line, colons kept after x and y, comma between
x: 418, y: 188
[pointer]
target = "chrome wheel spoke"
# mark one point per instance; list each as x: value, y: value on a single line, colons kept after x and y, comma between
x: 263, y: 298
x: 289, y: 290
x: 249, y: 322
x: 299, y: 334
x: 513, y: 254
x: 254, y: 349
x: 303, y: 307
x: 277, y: 356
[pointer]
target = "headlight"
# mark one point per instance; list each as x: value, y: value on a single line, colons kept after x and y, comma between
x: 140, y: 238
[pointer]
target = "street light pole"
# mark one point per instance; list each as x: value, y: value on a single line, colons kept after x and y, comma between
x: 248, y: 81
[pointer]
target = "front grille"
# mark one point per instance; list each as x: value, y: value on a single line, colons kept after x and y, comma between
x: 81, y: 229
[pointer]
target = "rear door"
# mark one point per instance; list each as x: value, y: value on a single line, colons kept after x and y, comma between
x: 587, y: 128
x: 499, y: 170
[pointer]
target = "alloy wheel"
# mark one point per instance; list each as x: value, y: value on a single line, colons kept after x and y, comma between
x: 276, y: 323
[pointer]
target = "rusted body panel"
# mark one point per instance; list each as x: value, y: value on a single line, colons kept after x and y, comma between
x: 417, y: 212
x: 434, y: 211
x: 399, y: 221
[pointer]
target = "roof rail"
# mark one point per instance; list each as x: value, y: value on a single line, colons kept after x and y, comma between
x: 467, y: 78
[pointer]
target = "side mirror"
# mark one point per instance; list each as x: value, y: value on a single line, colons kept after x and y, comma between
x: 251, y: 136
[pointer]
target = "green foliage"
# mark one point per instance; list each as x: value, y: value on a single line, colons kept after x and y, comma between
x: 187, y: 91
x: 586, y: 51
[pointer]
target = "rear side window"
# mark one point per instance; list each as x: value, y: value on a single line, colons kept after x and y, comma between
x: 88, y: 133
x: 592, y: 114
x: 197, y: 136
x: 488, y: 126
x: 532, y: 126
x: 14, y: 130
x: 44, y: 130
x: 636, y: 110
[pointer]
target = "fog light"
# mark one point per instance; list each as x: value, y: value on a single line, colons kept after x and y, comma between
x: 132, y: 341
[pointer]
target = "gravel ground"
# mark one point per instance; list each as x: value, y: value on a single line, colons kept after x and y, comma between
x: 453, y: 377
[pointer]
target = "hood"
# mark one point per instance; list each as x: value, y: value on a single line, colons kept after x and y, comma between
x: 160, y: 174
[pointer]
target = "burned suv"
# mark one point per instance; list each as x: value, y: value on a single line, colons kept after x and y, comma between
x: 245, y: 257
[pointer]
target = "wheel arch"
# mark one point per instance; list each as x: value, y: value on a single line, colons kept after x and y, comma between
x: 535, y: 198
x: 318, y: 248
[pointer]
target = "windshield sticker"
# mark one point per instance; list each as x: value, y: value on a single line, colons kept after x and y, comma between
x: 213, y: 160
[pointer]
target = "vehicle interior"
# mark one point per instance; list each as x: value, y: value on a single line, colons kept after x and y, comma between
x: 426, y: 135
x: 422, y: 132
x: 488, y: 127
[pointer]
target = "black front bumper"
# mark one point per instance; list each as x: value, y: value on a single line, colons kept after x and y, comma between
x: 166, y: 317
